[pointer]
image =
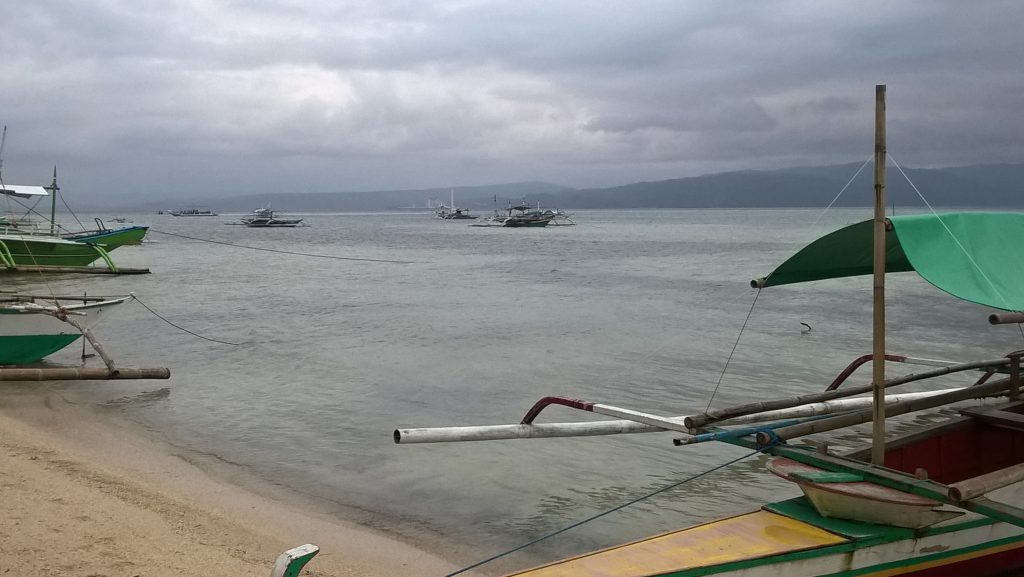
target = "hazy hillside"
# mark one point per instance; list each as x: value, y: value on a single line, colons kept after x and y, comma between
x: 978, y: 186
x: 812, y: 187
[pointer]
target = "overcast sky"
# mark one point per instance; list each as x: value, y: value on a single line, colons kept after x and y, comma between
x: 213, y: 98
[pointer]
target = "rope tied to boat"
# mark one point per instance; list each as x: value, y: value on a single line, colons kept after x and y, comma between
x: 613, y: 510
x: 278, y: 251
x: 183, y: 329
x: 773, y: 439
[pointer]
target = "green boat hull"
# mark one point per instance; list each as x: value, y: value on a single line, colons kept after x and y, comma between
x: 35, y: 251
x: 111, y: 239
x: 27, y: 349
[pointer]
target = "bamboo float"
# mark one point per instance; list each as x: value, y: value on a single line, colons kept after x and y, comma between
x: 703, y: 419
x: 81, y: 374
x: 1005, y: 318
x: 520, y: 431
x: 73, y: 269
x: 18, y: 297
x: 972, y: 488
x: 863, y: 416
x: 828, y: 407
x: 633, y: 422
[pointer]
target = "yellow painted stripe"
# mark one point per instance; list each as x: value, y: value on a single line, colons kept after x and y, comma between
x: 739, y: 538
x: 944, y: 561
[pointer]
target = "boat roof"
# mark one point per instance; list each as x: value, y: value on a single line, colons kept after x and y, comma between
x: 974, y: 256
x: 23, y: 190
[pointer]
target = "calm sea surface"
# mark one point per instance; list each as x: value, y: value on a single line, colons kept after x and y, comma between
x: 638, y: 309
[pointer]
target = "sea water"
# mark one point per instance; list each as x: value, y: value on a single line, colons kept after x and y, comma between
x: 295, y: 352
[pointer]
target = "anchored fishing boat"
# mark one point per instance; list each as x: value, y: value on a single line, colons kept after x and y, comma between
x: 943, y: 501
x: 453, y: 212
x: 524, y: 215
x: 192, y: 212
x: 267, y: 218
x: 27, y: 244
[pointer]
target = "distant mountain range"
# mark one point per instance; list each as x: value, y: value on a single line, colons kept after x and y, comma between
x: 975, y: 186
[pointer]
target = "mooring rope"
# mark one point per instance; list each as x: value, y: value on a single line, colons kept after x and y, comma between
x: 848, y: 183
x: 735, y: 345
x: 183, y: 329
x: 607, y: 512
x: 335, y: 257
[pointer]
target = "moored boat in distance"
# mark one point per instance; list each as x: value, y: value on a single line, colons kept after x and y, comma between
x: 524, y: 215
x: 946, y: 499
x: 453, y: 212
x: 267, y: 218
x: 192, y: 212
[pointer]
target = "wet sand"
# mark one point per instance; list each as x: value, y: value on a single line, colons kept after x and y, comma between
x: 84, y: 494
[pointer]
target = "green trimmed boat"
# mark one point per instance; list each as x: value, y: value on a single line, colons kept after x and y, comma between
x: 30, y: 250
x: 32, y: 327
x: 24, y: 244
x: 110, y: 238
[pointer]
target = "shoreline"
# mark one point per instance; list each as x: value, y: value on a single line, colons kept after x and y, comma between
x: 88, y: 493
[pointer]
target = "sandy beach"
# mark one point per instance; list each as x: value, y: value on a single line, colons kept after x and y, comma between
x: 85, y: 494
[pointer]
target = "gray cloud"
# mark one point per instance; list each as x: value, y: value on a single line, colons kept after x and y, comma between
x: 219, y: 97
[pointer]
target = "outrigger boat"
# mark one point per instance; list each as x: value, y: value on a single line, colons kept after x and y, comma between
x: 24, y: 244
x: 192, y: 212
x: 453, y: 212
x: 267, y: 218
x: 944, y: 501
x: 19, y: 250
x: 110, y: 238
x: 33, y: 327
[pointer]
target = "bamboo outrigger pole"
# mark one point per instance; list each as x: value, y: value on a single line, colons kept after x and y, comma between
x: 878, y: 304
x: 81, y: 374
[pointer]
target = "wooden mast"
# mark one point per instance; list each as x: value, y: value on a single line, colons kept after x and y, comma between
x: 878, y: 301
x: 53, y: 188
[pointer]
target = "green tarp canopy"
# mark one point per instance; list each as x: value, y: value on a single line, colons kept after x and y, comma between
x: 974, y: 256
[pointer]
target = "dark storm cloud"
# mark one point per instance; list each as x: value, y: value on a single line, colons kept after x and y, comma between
x: 222, y: 97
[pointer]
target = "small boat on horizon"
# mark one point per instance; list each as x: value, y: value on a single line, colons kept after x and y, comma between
x: 453, y: 212
x: 192, y: 212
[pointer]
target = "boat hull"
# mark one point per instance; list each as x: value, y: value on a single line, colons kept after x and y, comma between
x: 111, y: 239
x: 762, y: 544
x: 46, y: 251
x: 27, y: 336
x: 525, y: 222
x: 275, y: 223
